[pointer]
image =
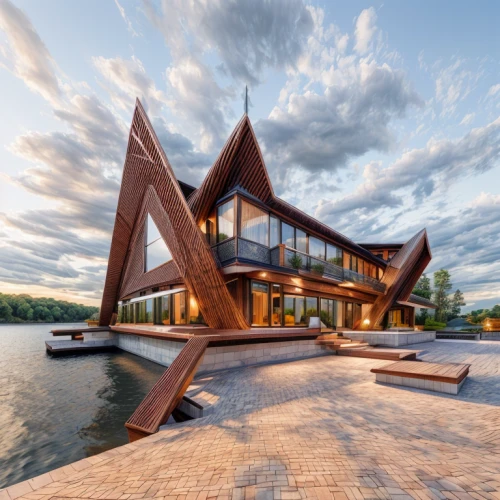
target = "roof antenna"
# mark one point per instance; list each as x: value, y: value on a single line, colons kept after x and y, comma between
x: 246, y: 99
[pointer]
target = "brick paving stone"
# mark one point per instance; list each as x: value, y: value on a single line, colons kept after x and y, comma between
x: 316, y: 428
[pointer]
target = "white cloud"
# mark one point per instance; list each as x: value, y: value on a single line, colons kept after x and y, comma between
x: 468, y: 119
x: 365, y: 30
x: 126, y: 79
x: 128, y: 22
x: 493, y: 90
x: 28, y: 58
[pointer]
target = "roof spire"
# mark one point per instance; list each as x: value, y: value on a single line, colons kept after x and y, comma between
x: 246, y: 99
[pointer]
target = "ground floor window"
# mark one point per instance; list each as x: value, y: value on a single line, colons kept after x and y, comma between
x: 172, y: 309
x: 276, y: 305
x: 352, y: 314
x: 328, y: 312
x: 294, y: 310
x: 260, y: 304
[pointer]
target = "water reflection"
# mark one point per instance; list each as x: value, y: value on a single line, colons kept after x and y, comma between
x: 54, y: 411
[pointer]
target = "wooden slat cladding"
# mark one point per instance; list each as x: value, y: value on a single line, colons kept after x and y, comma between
x: 149, y: 182
x: 400, y: 276
x: 240, y: 164
x: 167, y: 393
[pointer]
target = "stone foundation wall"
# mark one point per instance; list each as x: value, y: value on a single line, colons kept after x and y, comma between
x: 160, y: 351
x: 164, y: 352
x: 221, y: 358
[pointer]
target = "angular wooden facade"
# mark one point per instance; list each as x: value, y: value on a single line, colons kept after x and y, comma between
x: 240, y: 256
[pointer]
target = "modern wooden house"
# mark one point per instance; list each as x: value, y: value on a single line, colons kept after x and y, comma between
x: 232, y: 255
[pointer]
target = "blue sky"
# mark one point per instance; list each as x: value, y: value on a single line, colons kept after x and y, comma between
x: 378, y: 118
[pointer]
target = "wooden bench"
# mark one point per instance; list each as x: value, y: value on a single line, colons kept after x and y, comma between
x: 380, y: 353
x: 438, y: 377
x: 167, y: 393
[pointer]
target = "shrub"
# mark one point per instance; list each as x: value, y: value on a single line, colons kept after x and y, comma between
x: 295, y: 261
x: 318, y: 268
x: 431, y: 324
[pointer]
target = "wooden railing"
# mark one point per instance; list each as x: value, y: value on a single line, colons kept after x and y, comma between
x: 167, y: 393
x: 283, y: 256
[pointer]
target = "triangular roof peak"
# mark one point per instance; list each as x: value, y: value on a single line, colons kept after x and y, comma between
x: 240, y: 163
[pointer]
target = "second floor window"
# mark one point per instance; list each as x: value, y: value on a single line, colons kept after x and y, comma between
x: 254, y: 223
x: 225, y: 221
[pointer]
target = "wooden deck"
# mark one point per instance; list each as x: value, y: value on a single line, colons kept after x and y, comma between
x: 348, y: 347
x: 167, y: 393
x: 451, y: 373
x: 437, y: 377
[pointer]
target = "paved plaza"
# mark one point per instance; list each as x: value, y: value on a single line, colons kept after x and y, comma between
x: 317, y: 428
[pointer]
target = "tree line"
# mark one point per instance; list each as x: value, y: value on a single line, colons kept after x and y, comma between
x: 24, y: 308
x: 477, y: 317
x: 449, y: 306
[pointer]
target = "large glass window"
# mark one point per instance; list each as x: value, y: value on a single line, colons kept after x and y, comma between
x: 180, y: 308
x: 316, y: 248
x: 195, y: 315
x: 311, y: 308
x: 353, y: 264
x: 260, y: 304
x: 294, y: 307
x: 287, y: 235
x: 348, y: 319
x: 165, y: 310
x: 274, y: 231
x: 225, y: 221
x: 328, y: 312
x: 140, y: 312
x: 254, y: 224
x: 301, y: 240
x: 276, y: 305
x: 334, y: 255
x: 149, y: 311
x: 156, y: 250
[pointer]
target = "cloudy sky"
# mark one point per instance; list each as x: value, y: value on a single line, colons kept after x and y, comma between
x: 378, y: 118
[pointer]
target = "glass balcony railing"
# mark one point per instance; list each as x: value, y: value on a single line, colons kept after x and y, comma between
x: 282, y: 256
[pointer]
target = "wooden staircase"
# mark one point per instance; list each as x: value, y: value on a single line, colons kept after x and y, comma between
x: 347, y: 347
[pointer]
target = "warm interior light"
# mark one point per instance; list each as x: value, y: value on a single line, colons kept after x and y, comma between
x: 263, y: 274
x: 297, y: 289
x: 366, y: 321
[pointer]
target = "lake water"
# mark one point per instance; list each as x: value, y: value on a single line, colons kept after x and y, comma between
x: 56, y: 410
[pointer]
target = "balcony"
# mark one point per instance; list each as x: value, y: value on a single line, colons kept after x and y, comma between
x: 241, y: 249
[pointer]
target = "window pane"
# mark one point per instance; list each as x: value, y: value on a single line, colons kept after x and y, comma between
x: 348, y: 314
x: 275, y: 236
x: 260, y: 301
x: 288, y: 235
x: 149, y: 311
x: 225, y: 220
x: 180, y: 308
x: 195, y: 315
x: 301, y: 240
x: 140, y: 312
x: 334, y: 255
x: 294, y: 310
x: 316, y: 248
x: 276, y: 305
x: 165, y: 310
x: 157, y: 253
x: 254, y: 223
x: 327, y: 312
x: 152, y: 231
x: 311, y: 308
x: 354, y: 263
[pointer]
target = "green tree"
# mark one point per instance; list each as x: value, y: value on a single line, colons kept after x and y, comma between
x: 25, y: 312
x: 5, y: 311
x: 457, y: 302
x: 423, y: 287
x: 442, y: 286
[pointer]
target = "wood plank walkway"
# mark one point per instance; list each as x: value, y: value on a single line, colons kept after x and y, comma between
x: 167, y: 393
